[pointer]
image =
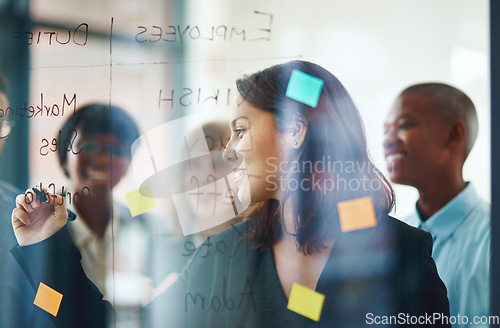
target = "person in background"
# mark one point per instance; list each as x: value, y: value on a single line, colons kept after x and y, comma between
x: 116, y: 248
x: 208, y: 205
x: 16, y: 295
x: 429, y: 132
x: 199, y: 206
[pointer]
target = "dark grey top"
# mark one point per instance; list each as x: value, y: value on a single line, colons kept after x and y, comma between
x: 384, y: 270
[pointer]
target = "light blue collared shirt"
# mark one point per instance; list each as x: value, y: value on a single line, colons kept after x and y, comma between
x: 461, y: 234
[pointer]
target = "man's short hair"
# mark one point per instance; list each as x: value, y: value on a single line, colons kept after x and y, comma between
x: 98, y: 119
x: 454, y: 104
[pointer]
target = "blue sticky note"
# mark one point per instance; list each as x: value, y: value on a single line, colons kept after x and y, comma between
x: 304, y: 88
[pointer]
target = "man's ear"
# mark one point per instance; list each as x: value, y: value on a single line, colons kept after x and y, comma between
x: 299, y: 131
x: 457, y: 136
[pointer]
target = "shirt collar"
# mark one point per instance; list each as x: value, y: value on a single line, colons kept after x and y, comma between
x: 445, y: 221
x: 82, y: 234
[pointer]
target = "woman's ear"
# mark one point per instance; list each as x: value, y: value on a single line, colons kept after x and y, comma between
x: 300, y: 126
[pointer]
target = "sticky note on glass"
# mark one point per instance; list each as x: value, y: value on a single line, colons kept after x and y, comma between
x: 357, y: 214
x: 48, y: 299
x: 137, y: 203
x: 306, y: 302
x: 304, y: 88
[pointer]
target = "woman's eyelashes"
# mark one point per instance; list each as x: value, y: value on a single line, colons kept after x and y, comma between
x: 239, y: 132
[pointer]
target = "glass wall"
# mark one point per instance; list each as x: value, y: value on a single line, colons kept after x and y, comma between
x: 171, y: 66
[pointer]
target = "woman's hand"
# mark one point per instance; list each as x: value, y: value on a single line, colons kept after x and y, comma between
x: 34, y: 221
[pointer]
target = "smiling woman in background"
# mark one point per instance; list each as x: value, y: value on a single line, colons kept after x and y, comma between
x: 98, y: 139
x: 94, y: 153
x: 295, y: 163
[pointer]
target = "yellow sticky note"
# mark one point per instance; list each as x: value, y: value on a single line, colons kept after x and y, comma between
x: 357, y: 214
x: 137, y: 203
x: 48, y: 299
x: 306, y: 302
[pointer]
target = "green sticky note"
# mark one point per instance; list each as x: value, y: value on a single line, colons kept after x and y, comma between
x: 306, y: 302
x: 304, y: 88
x: 137, y: 203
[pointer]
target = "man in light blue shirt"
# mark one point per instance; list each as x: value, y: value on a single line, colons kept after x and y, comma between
x: 429, y: 133
x: 461, y: 233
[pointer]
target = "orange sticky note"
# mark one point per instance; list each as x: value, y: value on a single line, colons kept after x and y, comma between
x: 48, y: 299
x: 357, y: 214
x: 306, y: 302
x: 137, y: 203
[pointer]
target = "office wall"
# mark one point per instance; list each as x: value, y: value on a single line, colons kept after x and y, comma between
x: 376, y: 48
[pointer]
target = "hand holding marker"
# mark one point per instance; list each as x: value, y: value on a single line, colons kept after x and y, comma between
x: 41, y: 195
